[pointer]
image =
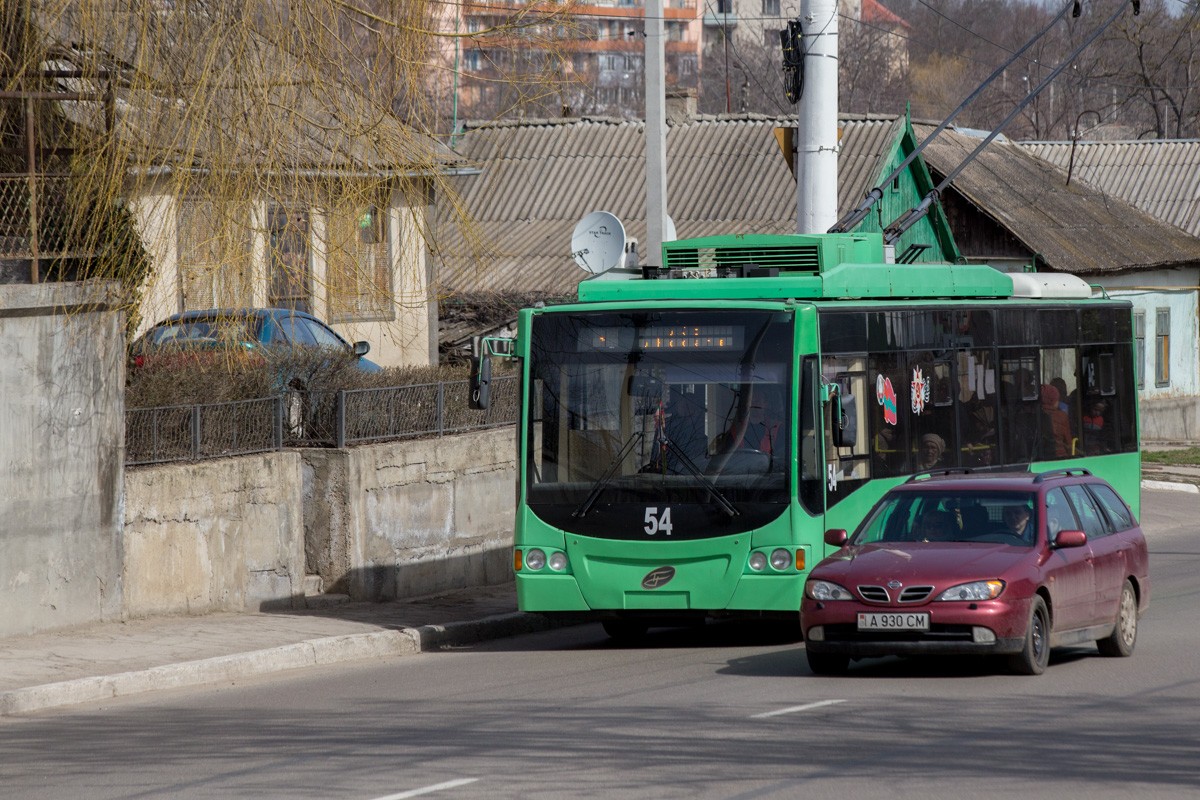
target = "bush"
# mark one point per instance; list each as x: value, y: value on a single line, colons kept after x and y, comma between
x: 187, y: 378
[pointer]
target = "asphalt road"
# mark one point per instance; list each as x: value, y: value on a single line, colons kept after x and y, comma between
x: 722, y: 712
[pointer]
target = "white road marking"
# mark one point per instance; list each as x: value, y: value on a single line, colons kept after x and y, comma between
x: 794, y: 709
x: 437, y: 787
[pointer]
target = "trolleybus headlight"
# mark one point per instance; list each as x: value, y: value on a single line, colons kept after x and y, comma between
x: 558, y: 561
x: 824, y: 590
x: 535, y: 559
x: 977, y: 590
x: 758, y: 561
x: 781, y: 559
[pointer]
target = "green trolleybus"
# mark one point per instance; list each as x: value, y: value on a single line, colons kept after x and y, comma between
x: 688, y: 432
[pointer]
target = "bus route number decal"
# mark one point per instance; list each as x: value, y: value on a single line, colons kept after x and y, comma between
x: 658, y: 523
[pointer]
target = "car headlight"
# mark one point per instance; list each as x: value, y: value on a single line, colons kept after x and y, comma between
x: 558, y: 561
x: 824, y: 590
x: 535, y: 559
x: 758, y: 561
x: 976, y: 590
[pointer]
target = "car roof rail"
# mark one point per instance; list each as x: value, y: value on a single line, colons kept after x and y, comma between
x: 1068, y: 472
x: 938, y: 473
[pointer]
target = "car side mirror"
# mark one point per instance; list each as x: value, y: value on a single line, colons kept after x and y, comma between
x: 1070, y: 539
x: 361, y: 349
x: 836, y: 537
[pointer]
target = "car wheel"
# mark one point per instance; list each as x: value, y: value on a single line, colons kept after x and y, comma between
x: 625, y: 631
x: 1124, y: 635
x: 827, y: 663
x: 1035, y: 655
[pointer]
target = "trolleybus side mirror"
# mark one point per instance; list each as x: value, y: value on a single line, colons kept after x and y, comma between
x: 482, y: 350
x: 836, y: 537
x: 481, y: 376
x: 843, y: 421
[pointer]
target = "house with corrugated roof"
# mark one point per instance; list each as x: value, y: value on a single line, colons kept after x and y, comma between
x: 1162, y: 178
x: 332, y: 221
x: 727, y: 174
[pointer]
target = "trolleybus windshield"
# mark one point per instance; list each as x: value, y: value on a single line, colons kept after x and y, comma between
x: 686, y: 410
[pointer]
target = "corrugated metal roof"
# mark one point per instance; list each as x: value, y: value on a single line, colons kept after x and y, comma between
x: 539, y: 178
x: 1073, y: 227
x: 1160, y: 176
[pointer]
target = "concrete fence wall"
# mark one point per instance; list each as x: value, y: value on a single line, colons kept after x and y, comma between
x: 408, y: 518
x: 61, y: 435
x: 1170, y: 419
x: 385, y: 521
x: 224, y: 535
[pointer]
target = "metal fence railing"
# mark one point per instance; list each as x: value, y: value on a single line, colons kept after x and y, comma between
x: 212, y: 430
x: 311, y: 419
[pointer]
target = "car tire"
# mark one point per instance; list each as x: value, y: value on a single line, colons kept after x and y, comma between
x: 1035, y: 655
x: 624, y: 631
x: 827, y: 663
x: 1121, y: 641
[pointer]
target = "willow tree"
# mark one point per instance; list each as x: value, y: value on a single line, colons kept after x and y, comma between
x: 190, y: 114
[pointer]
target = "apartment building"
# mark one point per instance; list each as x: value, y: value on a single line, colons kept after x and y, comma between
x: 590, y: 61
x: 515, y: 58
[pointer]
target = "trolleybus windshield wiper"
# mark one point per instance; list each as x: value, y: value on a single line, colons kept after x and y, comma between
x: 604, y: 479
x: 691, y: 467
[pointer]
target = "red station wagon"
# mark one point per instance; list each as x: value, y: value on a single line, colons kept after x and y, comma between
x: 1003, y: 563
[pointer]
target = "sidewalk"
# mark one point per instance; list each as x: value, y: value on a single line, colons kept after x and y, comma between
x: 106, y: 660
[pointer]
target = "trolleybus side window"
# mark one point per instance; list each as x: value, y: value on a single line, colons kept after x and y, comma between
x: 980, y: 387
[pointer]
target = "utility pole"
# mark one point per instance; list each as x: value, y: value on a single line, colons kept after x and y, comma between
x: 656, y: 133
x: 816, y: 130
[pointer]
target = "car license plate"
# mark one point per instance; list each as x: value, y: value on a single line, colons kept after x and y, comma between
x: 884, y: 621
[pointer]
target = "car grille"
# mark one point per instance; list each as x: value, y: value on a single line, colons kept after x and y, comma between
x: 879, y: 594
x: 873, y: 594
x: 915, y: 594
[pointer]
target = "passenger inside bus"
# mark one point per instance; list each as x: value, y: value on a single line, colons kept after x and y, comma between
x: 1058, y: 421
x: 763, y: 429
x: 933, y: 447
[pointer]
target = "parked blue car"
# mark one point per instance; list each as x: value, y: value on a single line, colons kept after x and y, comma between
x: 247, y: 329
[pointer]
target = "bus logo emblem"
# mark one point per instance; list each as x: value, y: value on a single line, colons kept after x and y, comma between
x: 657, y: 577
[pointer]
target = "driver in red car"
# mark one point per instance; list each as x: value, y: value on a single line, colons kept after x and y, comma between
x: 1018, y: 522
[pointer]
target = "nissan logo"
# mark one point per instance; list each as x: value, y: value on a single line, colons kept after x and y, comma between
x: 657, y: 577
x: 894, y: 584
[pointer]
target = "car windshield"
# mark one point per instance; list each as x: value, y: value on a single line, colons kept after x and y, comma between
x: 948, y: 515
x: 190, y: 331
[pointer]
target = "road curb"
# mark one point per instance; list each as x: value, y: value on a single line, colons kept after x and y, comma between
x: 311, y: 653
x: 1171, y: 485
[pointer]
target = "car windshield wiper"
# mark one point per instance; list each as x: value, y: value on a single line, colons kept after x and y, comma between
x: 600, y: 484
x: 691, y: 467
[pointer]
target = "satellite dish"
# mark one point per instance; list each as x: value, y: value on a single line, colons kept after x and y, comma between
x: 598, y: 243
x: 669, y: 233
